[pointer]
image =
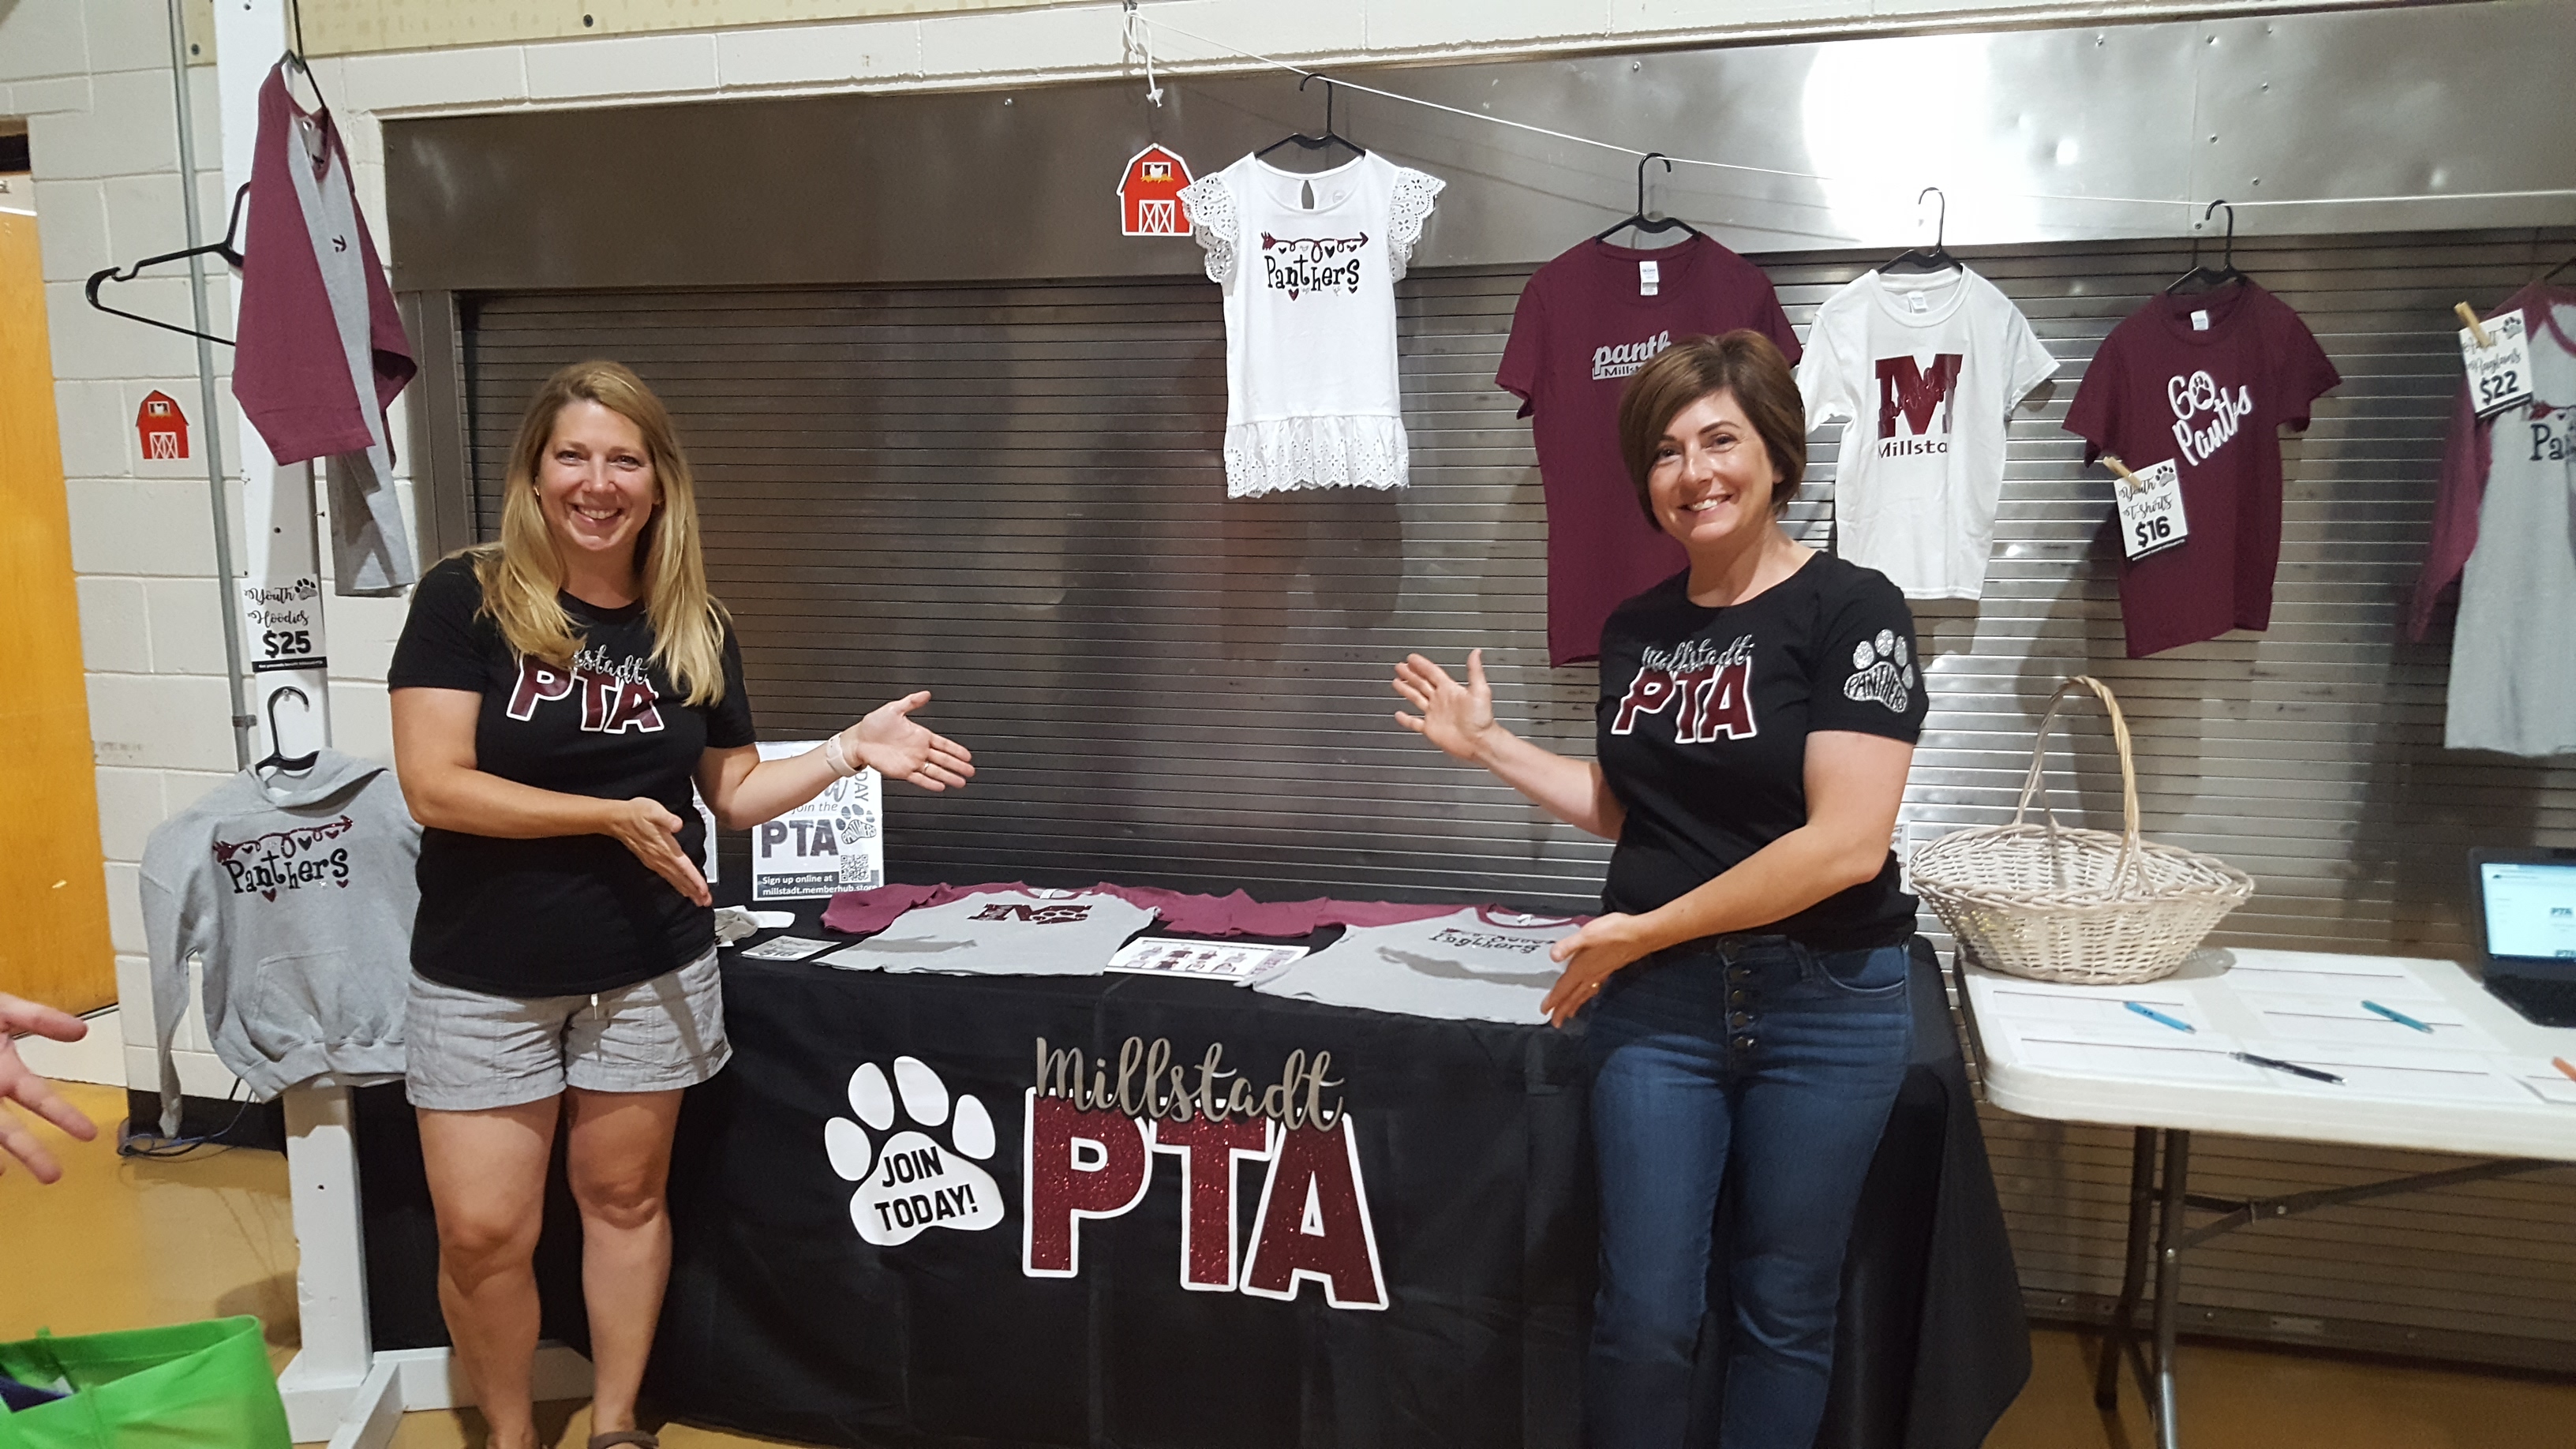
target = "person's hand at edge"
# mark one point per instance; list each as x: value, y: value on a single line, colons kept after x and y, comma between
x: 644, y: 827
x: 24, y: 1087
x: 892, y: 743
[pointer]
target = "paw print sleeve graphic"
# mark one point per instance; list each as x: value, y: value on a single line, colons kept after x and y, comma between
x: 1882, y: 670
x: 913, y: 1182
x: 1868, y: 678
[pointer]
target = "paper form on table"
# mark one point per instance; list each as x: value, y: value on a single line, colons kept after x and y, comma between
x: 2377, y: 980
x: 2344, y: 1020
x: 2190, y: 1059
x: 2414, y: 1074
x: 2545, y: 1081
x: 2024, y: 1006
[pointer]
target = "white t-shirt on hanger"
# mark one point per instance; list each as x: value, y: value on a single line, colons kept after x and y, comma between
x: 1928, y: 369
x: 1310, y: 378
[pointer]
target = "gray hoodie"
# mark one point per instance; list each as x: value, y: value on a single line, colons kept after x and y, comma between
x: 297, y: 892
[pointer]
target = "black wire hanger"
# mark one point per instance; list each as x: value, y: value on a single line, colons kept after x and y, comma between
x: 2554, y: 271
x: 2212, y: 278
x: 1938, y: 259
x: 1316, y: 143
x: 224, y: 249
x: 1641, y: 221
x: 277, y: 759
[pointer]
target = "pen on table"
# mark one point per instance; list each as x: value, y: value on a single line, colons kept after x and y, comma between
x: 2561, y: 1064
x: 2293, y: 1068
x: 2151, y: 1014
x: 2399, y: 1017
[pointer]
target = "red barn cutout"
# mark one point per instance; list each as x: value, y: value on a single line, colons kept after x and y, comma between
x: 1149, y: 194
x: 162, y: 428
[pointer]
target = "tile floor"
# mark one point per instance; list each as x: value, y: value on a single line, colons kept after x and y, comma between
x: 124, y: 1243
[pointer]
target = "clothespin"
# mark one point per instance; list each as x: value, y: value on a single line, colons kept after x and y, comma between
x: 2477, y: 329
x: 2120, y: 470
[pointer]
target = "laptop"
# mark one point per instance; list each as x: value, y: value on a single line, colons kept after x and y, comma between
x: 2527, y: 900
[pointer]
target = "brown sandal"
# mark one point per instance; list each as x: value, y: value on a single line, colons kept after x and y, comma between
x: 635, y: 1437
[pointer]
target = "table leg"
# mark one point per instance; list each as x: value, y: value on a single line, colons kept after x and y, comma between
x: 2122, y: 1331
x: 2169, y: 1282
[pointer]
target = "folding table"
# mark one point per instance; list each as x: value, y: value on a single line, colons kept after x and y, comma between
x: 2480, y: 1082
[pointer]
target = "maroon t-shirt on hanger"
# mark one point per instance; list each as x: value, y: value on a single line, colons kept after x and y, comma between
x: 2207, y: 381
x: 1584, y: 324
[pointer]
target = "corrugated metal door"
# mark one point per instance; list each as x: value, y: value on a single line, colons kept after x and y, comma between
x: 1012, y: 496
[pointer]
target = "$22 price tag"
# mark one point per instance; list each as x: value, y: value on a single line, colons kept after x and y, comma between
x: 2151, y: 518
x: 2499, y: 373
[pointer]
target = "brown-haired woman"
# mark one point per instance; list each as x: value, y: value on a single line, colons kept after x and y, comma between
x: 1746, y: 982
x: 555, y: 695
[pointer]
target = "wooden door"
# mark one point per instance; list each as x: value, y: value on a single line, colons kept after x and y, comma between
x: 53, y: 894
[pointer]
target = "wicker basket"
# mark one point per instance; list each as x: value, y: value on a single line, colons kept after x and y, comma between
x: 2080, y: 906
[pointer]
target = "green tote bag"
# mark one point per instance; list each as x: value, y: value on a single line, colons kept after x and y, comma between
x: 189, y: 1386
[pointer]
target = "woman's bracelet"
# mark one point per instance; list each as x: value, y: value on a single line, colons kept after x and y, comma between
x: 839, y: 761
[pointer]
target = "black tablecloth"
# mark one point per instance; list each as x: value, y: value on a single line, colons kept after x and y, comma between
x: 1473, y: 1159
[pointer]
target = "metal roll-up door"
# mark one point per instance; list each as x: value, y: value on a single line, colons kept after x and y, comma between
x: 1012, y: 496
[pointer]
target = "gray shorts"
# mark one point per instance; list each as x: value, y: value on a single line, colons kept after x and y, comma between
x: 470, y: 1051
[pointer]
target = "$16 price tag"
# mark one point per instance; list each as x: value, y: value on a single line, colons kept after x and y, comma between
x: 2151, y: 519
x: 2500, y: 373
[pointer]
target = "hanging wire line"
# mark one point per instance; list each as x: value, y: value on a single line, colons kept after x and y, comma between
x: 1142, y: 25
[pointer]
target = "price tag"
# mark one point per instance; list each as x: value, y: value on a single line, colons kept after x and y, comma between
x: 2151, y: 518
x: 2500, y: 373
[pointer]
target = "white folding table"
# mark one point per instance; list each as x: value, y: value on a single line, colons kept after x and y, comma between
x: 2481, y: 1082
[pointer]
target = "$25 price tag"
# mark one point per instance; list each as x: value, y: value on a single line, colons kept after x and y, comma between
x: 2500, y: 373
x: 2151, y: 518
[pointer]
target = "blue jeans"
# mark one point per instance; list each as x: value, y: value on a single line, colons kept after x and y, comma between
x: 1756, y: 1058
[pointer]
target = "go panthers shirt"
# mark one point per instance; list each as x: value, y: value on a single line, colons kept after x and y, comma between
x: 1703, y: 725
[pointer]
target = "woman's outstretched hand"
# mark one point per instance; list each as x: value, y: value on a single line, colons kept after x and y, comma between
x: 1456, y: 717
x: 653, y: 834
x: 893, y: 744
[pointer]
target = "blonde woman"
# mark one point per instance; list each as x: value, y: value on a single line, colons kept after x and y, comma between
x: 554, y: 697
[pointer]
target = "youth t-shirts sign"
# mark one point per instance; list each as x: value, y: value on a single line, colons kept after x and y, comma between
x: 572, y: 914
x: 1585, y: 323
x: 1702, y: 733
x: 1023, y: 932
x: 1928, y: 369
x: 1478, y: 964
x: 2206, y: 381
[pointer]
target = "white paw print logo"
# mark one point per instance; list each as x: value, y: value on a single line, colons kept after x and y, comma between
x: 1881, y: 670
x: 917, y: 1184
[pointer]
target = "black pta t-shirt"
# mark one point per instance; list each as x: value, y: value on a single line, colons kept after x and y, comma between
x: 572, y: 914
x: 1703, y: 727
